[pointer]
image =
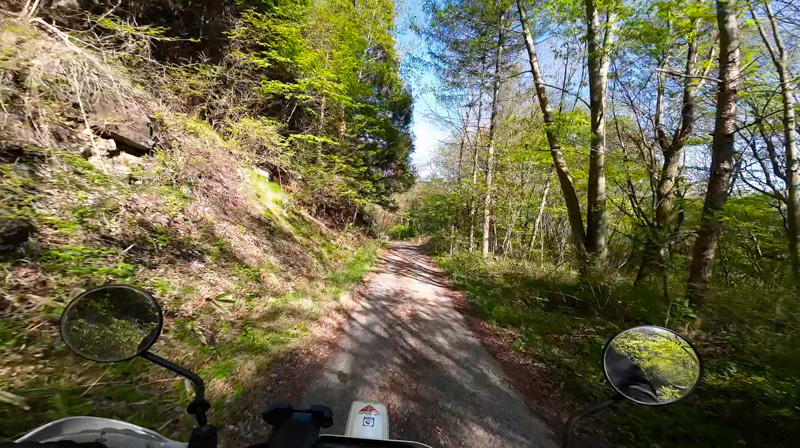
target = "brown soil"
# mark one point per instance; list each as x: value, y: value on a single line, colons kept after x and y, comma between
x: 293, y: 371
x: 406, y: 345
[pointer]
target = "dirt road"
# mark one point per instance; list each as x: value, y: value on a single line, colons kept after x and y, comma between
x: 406, y: 346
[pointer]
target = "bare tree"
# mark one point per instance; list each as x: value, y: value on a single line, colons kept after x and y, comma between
x: 722, y: 158
x: 791, y: 175
x: 664, y: 227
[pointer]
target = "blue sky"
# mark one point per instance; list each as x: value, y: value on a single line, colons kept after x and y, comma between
x: 427, y: 135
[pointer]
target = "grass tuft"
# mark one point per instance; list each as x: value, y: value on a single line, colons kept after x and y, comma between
x: 750, y: 389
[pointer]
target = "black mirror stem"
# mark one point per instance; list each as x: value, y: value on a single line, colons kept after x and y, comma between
x: 569, y: 428
x: 199, y: 405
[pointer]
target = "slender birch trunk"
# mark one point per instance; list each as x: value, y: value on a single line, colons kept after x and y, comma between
x: 560, y: 165
x: 541, y: 213
x: 792, y: 175
x: 487, y: 203
x: 476, y: 144
x: 598, y: 61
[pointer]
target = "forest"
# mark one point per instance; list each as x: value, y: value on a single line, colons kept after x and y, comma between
x: 612, y: 163
x: 227, y: 156
x: 607, y: 163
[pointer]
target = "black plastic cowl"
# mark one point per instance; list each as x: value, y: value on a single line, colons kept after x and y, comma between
x: 296, y: 428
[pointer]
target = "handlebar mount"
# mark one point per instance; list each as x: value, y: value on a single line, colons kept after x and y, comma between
x: 295, y: 428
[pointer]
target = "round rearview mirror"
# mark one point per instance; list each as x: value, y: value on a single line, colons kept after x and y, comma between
x: 651, y: 365
x: 111, y: 323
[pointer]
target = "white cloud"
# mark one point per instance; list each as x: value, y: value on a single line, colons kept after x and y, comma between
x: 427, y: 138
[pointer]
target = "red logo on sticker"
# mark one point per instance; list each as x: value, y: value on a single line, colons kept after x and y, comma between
x: 368, y: 409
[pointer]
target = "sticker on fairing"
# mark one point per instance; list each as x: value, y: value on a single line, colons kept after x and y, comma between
x: 369, y: 421
x: 369, y: 410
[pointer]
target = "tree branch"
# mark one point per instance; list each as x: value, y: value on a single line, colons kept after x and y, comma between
x: 684, y: 75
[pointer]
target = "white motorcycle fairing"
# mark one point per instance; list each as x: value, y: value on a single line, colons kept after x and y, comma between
x: 367, y: 427
x: 111, y: 433
x: 368, y: 420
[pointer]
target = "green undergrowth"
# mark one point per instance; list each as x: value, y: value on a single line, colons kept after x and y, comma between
x: 241, y: 289
x: 750, y: 392
x: 242, y: 271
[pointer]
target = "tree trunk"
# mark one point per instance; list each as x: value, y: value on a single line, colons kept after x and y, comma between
x: 476, y: 145
x: 541, y: 213
x: 665, y: 193
x: 722, y: 155
x: 596, y: 226
x: 792, y: 172
x: 452, y: 240
x: 780, y: 59
x: 487, y: 203
x: 657, y: 247
x: 508, y: 241
x: 460, y: 156
x: 493, y: 247
x: 562, y: 171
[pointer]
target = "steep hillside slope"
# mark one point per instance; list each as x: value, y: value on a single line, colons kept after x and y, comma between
x: 102, y: 182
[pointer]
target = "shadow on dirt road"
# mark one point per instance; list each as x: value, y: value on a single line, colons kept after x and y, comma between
x: 406, y: 346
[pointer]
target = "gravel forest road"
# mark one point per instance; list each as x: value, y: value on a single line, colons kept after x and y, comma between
x: 406, y: 346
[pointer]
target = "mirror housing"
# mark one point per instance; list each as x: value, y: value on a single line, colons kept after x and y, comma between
x: 114, y: 323
x: 111, y: 323
x: 651, y: 365
x: 648, y: 365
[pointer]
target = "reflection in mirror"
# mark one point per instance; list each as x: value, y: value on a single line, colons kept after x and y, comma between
x: 111, y: 323
x: 651, y: 365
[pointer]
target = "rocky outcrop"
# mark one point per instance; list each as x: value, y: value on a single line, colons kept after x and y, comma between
x: 136, y: 138
x: 106, y: 155
x: 132, y: 132
x: 14, y: 232
x: 18, y: 153
x: 10, y: 152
